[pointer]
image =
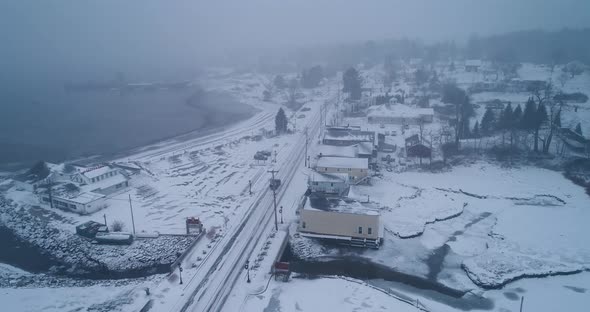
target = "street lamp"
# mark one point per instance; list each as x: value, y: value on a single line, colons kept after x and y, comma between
x: 281, y: 211
x: 247, y: 267
x: 180, y: 273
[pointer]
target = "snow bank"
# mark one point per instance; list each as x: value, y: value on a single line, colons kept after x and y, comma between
x: 494, y: 269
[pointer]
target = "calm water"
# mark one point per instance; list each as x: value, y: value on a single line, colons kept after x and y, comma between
x: 51, y: 124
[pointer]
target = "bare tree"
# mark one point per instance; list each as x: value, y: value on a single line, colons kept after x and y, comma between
x: 117, y: 226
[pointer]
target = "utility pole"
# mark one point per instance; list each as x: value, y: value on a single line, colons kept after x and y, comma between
x: 521, y: 302
x: 50, y: 194
x: 132, y: 220
x: 247, y: 267
x: 274, y: 196
x: 281, y: 211
x: 250, y: 186
x: 306, y: 138
x: 105, y: 219
x: 180, y: 273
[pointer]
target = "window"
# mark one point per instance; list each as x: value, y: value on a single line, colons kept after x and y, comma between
x: 349, y: 169
x: 331, y: 184
x: 369, y: 231
x: 315, y: 183
x: 360, y: 230
x: 303, y: 224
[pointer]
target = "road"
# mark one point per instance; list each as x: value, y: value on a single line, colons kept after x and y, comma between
x: 207, y: 287
x: 211, y: 293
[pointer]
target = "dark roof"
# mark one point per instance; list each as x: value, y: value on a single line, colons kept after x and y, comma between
x: 418, y: 150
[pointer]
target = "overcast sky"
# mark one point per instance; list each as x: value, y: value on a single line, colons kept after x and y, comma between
x: 115, y: 31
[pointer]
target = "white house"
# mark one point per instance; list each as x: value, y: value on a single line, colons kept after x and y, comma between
x: 345, y: 136
x: 336, y: 151
x: 472, y: 65
x: 327, y: 183
x: 355, y: 168
x: 84, y: 190
x: 347, y: 222
x: 102, y: 179
x: 82, y: 203
x: 399, y: 114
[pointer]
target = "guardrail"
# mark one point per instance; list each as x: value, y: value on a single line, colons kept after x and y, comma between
x: 187, y: 250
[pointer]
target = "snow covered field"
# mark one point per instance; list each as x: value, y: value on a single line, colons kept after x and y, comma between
x: 324, y: 294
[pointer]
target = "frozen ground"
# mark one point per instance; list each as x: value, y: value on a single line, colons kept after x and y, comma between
x: 324, y: 294
x: 60, y: 299
x: 517, y: 222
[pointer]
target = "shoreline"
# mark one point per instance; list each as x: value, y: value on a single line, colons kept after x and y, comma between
x: 213, y: 103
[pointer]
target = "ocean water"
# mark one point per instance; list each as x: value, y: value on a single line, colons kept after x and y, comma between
x: 47, y: 123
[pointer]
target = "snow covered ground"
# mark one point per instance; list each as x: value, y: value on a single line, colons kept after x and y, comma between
x: 517, y: 222
x: 323, y: 294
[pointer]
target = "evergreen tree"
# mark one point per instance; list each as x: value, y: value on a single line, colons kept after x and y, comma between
x: 579, y: 129
x: 311, y: 78
x: 488, y: 122
x: 529, y: 116
x: 505, y: 123
x: 352, y: 83
x: 281, y: 121
x: 517, y: 117
x: 475, y: 133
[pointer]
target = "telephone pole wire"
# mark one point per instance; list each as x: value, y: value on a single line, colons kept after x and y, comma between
x: 274, y: 196
x: 132, y: 220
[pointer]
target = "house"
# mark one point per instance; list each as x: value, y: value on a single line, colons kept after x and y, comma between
x: 472, y: 65
x: 341, y: 221
x: 102, y: 179
x: 355, y: 168
x: 574, y: 141
x: 419, y: 150
x: 365, y: 150
x: 412, y: 140
x: 345, y: 136
x: 78, y: 201
x: 359, y: 150
x: 335, y: 183
x: 399, y: 114
x: 79, y: 189
x: 336, y: 151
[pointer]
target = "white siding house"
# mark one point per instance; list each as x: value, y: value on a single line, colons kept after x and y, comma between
x: 340, y: 221
x: 327, y: 183
x: 355, y: 168
x: 399, y: 114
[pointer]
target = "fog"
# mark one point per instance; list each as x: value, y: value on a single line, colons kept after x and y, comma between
x: 81, y: 37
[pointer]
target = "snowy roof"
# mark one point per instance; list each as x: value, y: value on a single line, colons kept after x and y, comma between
x: 353, y: 135
x: 343, y: 162
x: 105, y: 183
x: 95, y: 172
x: 365, y: 148
x: 323, y: 203
x: 328, y: 177
x: 473, y: 63
x: 339, y: 151
x: 399, y: 110
x: 80, y: 198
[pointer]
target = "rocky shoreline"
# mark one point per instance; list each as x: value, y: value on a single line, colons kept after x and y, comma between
x: 68, y: 254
